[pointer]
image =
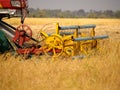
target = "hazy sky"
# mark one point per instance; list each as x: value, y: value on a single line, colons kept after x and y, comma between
x: 76, y: 4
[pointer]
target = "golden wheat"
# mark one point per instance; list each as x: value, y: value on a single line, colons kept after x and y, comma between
x: 98, y: 71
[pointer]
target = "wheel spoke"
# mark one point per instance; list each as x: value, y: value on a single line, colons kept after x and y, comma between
x: 54, y: 52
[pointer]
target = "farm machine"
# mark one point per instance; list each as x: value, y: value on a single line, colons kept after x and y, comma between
x: 66, y: 41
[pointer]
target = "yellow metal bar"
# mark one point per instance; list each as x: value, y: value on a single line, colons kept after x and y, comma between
x: 93, y: 32
x: 76, y: 45
x: 57, y: 28
x: 67, y: 38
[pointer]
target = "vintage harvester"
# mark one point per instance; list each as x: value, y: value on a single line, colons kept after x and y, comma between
x: 74, y: 40
x: 67, y: 40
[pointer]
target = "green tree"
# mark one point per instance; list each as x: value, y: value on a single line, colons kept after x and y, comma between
x: 117, y: 14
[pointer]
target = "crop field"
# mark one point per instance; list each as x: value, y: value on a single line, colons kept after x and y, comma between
x: 99, y: 70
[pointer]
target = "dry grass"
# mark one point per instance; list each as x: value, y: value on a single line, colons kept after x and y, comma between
x: 98, y: 71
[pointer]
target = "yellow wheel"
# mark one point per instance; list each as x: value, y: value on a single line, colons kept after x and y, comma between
x: 68, y: 51
x: 45, y: 31
x: 53, y: 45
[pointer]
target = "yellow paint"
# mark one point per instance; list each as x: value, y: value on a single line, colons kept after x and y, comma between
x: 56, y: 45
x: 93, y: 32
x: 0, y: 5
x: 57, y: 28
x: 54, y: 42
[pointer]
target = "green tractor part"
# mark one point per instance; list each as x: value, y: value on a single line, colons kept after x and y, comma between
x: 4, y: 44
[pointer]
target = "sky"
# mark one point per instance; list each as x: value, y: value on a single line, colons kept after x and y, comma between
x: 76, y: 4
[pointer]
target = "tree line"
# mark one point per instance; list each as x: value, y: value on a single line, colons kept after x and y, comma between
x: 58, y: 13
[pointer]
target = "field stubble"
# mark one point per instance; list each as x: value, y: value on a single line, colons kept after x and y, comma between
x: 98, y: 71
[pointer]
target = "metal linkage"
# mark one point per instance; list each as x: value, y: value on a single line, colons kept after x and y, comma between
x: 76, y: 27
x: 90, y: 38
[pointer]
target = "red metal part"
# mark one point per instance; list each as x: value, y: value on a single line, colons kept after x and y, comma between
x: 34, y: 50
x: 9, y: 4
x: 21, y: 5
x: 31, y: 50
x: 23, y: 33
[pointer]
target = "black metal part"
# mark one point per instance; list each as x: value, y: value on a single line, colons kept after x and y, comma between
x: 7, y: 30
x: 2, y: 15
x: 8, y: 25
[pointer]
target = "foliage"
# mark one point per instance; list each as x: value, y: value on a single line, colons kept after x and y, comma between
x: 57, y: 13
